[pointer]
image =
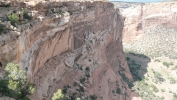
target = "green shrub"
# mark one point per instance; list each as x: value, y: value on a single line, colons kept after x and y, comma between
x: 16, y: 85
x: 73, y: 96
x: 13, y: 18
x: 93, y: 97
x: 128, y: 58
x: 82, y: 80
x: 87, y: 72
x: 171, y: 63
x: 75, y: 84
x: 70, y: 12
x: 53, y: 10
x: 118, y: 91
x: 87, y: 75
x: 87, y: 69
x: 175, y: 95
x: 59, y: 96
x: 80, y: 89
x: 162, y: 98
x: 26, y: 15
x: 162, y: 90
x: 61, y: 12
x: 155, y: 89
x: 174, y: 68
x: 78, y: 99
x: 144, y: 90
x: 65, y: 89
x: 146, y: 78
x: 158, y: 77
x: 2, y: 28
x: 157, y: 60
x: 172, y: 80
x: 168, y: 64
x: 7, y: 5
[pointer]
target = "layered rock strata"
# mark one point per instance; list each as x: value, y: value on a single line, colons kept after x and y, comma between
x: 74, y: 46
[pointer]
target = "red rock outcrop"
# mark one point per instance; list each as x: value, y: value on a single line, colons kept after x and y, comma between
x: 74, y: 46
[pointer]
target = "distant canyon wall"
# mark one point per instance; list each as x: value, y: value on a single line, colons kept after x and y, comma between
x: 141, y: 16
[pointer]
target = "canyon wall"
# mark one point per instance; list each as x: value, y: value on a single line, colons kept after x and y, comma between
x: 150, y: 28
x: 74, y: 46
x: 139, y: 17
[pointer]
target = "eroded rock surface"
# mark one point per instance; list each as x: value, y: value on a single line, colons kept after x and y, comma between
x: 74, y: 46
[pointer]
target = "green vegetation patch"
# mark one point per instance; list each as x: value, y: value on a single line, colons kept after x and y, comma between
x: 26, y: 15
x: 157, y: 60
x: 82, y: 80
x: 154, y: 88
x: 172, y: 80
x: 174, y: 68
x: 13, y: 18
x: 118, y: 90
x: 174, y: 95
x: 59, y: 96
x: 2, y: 28
x: 168, y: 64
x: 15, y: 85
x: 158, y: 78
x: 93, y: 97
x: 145, y: 90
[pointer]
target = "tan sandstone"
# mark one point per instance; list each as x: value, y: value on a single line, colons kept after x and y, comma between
x: 56, y: 48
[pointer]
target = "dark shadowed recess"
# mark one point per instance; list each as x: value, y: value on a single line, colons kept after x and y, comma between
x: 138, y: 64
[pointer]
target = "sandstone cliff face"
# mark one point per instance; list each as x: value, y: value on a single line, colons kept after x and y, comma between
x: 140, y: 17
x: 150, y: 28
x: 74, y: 46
